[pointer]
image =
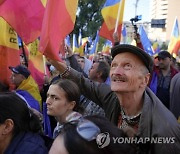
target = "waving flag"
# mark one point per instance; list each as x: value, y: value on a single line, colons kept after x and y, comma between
x: 58, y: 22
x: 9, y: 50
x: 36, y: 63
x: 25, y: 16
x: 95, y: 44
x: 75, y: 45
x: 107, y: 46
x: 112, y: 13
x: 174, y: 44
x: 145, y: 41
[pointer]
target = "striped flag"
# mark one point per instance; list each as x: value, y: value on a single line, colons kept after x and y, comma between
x: 174, y: 44
x: 58, y: 22
x: 25, y: 16
x: 112, y: 13
x: 9, y: 50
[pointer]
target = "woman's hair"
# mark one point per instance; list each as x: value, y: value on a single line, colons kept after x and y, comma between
x: 74, y: 143
x: 14, y: 108
x: 71, y: 90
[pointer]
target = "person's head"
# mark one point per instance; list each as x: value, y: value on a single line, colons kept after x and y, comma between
x: 62, y: 98
x: 164, y: 58
x: 99, y: 71
x: 87, y: 135
x: 15, y: 117
x: 19, y: 73
x: 130, y: 69
x: 81, y: 61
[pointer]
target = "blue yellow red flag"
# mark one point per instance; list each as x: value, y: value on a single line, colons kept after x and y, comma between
x: 9, y: 51
x: 112, y: 13
x: 174, y: 44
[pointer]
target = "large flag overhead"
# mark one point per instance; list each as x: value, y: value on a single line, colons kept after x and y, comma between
x: 36, y: 63
x: 25, y: 16
x: 112, y: 13
x: 9, y: 50
x: 174, y: 43
x: 145, y: 41
x: 58, y: 22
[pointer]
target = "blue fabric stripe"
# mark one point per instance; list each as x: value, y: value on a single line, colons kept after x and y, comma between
x: 111, y: 2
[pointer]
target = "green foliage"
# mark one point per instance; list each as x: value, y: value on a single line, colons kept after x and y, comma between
x: 89, y: 17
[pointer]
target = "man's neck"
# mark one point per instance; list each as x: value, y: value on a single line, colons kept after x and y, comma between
x: 131, y: 103
x: 165, y: 72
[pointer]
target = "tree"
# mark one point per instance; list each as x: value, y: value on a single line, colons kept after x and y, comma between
x: 89, y: 17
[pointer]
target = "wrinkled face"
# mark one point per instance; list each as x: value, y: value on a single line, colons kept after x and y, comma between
x: 17, y: 78
x: 58, y: 146
x: 81, y: 62
x: 57, y: 103
x: 164, y: 63
x: 128, y: 73
x: 93, y: 71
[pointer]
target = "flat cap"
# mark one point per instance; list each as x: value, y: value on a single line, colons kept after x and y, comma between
x: 145, y: 58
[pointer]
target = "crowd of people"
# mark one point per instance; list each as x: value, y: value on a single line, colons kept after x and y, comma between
x: 85, y: 105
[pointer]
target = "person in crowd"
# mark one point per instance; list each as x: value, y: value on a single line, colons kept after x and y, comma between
x: 3, y: 87
x: 86, y: 136
x: 90, y: 107
x: 165, y: 73
x: 19, y: 127
x: 63, y: 102
x: 81, y: 62
x: 174, y: 96
x: 129, y: 102
x: 99, y: 71
x: 26, y: 86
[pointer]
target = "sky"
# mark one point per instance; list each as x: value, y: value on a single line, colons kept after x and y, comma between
x: 143, y: 9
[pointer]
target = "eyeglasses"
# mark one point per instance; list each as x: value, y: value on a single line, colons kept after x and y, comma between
x: 86, y: 129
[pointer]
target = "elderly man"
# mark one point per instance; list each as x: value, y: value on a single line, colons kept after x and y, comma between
x: 129, y: 102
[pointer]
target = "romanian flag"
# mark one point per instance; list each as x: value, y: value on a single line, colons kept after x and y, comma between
x: 107, y: 46
x: 174, y: 44
x: 58, y: 22
x: 36, y: 63
x: 25, y: 16
x: 9, y: 50
x: 112, y: 13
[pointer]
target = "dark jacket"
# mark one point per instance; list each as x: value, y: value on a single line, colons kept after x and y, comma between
x: 156, y: 120
x: 27, y: 143
x: 174, y: 95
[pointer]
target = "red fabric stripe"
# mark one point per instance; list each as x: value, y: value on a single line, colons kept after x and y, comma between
x: 57, y: 23
x: 25, y: 16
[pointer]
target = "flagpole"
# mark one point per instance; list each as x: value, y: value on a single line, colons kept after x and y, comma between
x: 24, y: 53
x: 118, y: 15
x: 44, y: 64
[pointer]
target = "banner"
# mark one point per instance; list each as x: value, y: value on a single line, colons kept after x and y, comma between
x: 9, y: 51
x: 58, y: 22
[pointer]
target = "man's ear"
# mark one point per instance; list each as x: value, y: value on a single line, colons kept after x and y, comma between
x: 8, y: 126
x: 145, y: 80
